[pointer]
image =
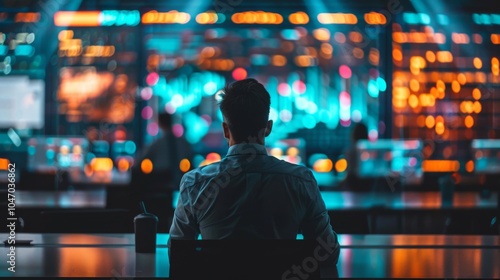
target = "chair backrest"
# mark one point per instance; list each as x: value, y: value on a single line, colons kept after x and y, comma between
x: 242, y: 259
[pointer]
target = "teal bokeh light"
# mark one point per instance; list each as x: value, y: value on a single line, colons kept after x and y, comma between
x: 373, y: 89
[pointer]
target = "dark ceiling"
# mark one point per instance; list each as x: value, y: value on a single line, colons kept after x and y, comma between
x: 486, y: 6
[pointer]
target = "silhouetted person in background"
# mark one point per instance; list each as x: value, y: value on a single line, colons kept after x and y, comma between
x: 166, y: 152
x: 249, y: 194
x: 352, y: 180
x: 155, y: 187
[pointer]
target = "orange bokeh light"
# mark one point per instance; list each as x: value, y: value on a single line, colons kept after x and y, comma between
x: 147, y: 166
x: 341, y: 165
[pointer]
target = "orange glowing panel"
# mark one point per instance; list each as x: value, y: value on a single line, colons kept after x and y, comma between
x: 399, y: 103
x: 184, y: 165
x: 427, y: 100
x: 298, y: 18
x: 323, y: 165
x: 81, y: 18
x: 461, y: 78
x: 213, y: 157
x: 440, y: 165
x: 207, y: 18
x: 469, y: 121
x: 417, y: 61
x: 65, y: 35
x: 460, y: 38
x: 375, y: 18
x: 155, y: 17
x: 321, y: 34
x: 27, y: 17
x: 101, y: 164
x: 401, y: 92
x: 421, y: 121
x: 4, y: 164
x: 444, y: 56
x: 430, y: 56
x: 455, y: 86
x: 495, y: 39
x: 397, y: 55
x: 146, y: 166
x: 477, y: 63
x: 440, y: 86
x: 399, y: 37
x: 257, y: 17
x: 495, y: 62
x: 477, y: 107
x: 495, y: 67
x: 337, y: 18
x: 476, y: 94
x: 123, y: 165
x: 413, y: 101
x: 278, y: 60
x: 292, y: 151
x: 358, y: 53
x: 374, y: 56
x: 429, y: 122
x: 414, y: 85
x: 478, y: 39
x: 469, y: 166
x: 341, y: 165
x: 355, y: 37
x: 439, y: 128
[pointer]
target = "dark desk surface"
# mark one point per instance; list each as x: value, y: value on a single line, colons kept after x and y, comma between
x: 380, y: 256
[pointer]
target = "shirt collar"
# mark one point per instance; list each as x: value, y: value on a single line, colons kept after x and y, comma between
x: 246, y: 149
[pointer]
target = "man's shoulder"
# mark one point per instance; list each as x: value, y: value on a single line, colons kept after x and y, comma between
x: 295, y: 170
x: 200, y: 174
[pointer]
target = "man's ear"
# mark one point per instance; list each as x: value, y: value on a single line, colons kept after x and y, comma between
x: 269, y: 127
x: 225, y: 128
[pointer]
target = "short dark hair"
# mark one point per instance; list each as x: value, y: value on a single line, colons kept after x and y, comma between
x: 245, y: 106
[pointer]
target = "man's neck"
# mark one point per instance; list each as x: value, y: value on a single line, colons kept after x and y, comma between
x: 231, y: 142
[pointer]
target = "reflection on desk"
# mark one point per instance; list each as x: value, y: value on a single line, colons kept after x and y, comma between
x: 384, y: 256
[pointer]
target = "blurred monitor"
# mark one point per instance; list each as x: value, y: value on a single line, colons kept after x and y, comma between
x: 290, y: 150
x: 486, y: 156
x: 50, y: 153
x: 123, y: 148
x: 390, y: 158
x: 100, y: 148
x: 21, y: 102
x: 97, y: 95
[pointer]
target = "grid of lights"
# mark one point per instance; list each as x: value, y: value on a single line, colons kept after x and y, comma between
x: 133, y: 18
x: 442, y: 87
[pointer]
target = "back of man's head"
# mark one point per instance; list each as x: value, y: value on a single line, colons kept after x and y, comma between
x: 245, y: 106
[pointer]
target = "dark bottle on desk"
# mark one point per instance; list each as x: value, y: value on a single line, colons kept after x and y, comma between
x: 145, y: 226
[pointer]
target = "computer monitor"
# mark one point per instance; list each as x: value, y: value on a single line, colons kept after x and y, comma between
x: 390, y: 158
x: 50, y: 153
x: 486, y: 154
x: 21, y: 102
x: 290, y: 150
